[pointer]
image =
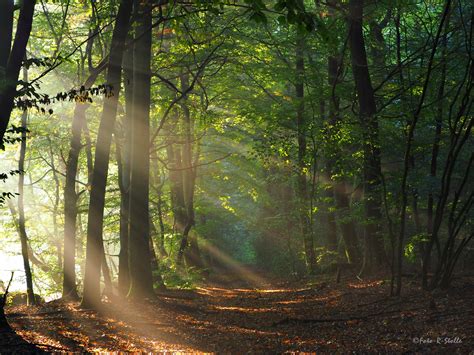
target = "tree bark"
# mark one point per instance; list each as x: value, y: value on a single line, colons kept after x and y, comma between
x: 434, y: 156
x: 302, y: 186
x: 191, y: 252
x: 70, y: 196
x: 409, y: 143
x: 21, y: 207
x: 141, y: 281
x: 6, y: 35
x: 15, y: 58
x: 341, y: 195
x: 70, y: 205
x: 374, y: 254
x: 173, y: 152
x: 94, y: 248
x: 123, y: 162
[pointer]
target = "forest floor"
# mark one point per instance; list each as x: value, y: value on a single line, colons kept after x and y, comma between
x: 278, y: 316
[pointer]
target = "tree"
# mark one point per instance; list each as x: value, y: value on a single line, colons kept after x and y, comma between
x: 374, y: 251
x: 11, y: 56
x: 302, y: 188
x: 141, y: 284
x: 70, y: 195
x: 95, y: 247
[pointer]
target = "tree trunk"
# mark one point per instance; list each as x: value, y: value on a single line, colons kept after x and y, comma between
x: 108, y: 288
x: 302, y: 188
x: 192, y: 253
x: 141, y: 281
x: 158, y: 185
x: 173, y: 153
x: 21, y: 206
x: 348, y: 228
x: 409, y: 143
x: 331, y: 230
x: 6, y: 35
x: 341, y: 196
x: 15, y: 57
x: 434, y: 156
x: 70, y: 196
x: 94, y: 248
x: 330, y: 215
x: 374, y: 250
x: 123, y: 162
x: 70, y: 205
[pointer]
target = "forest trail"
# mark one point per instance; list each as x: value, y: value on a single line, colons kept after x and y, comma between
x: 322, y: 316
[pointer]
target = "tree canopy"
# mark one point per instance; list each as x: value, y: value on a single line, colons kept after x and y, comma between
x: 153, y: 145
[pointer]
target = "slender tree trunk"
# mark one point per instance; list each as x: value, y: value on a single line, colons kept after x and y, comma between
x: 302, y: 188
x: 141, y: 282
x: 434, y: 157
x: 409, y: 143
x: 192, y: 252
x: 163, y: 251
x: 348, y: 229
x: 55, y: 211
x: 173, y: 152
x: 15, y: 57
x: 21, y: 207
x: 94, y: 248
x: 158, y: 184
x: 70, y: 205
x: 330, y: 215
x: 123, y: 162
x: 374, y: 253
x: 331, y: 232
x: 341, y: 196
x: 70, y: 197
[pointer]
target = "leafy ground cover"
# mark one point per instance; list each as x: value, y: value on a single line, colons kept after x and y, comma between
x: 277, y: 316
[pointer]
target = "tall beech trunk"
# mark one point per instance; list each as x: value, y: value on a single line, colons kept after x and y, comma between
x: 374, y: 254
x: 95, y: 247
x: 191, y: 248
x: 15, y: 55
x: 141, y: 281
x: 123, y: 162
x: 70, y: 195
x: 70, y: 205
x: 21, y: 207
x: 55, y: 209
x: 301, y: 182
x: 124, y: 184
x: 341, y: 196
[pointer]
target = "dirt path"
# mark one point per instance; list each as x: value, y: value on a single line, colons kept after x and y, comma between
x: 351, y: 316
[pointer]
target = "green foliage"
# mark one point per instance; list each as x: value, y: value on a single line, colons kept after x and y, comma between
x: 241, y: 62
x: 16, y: 298
x: 413, y: 245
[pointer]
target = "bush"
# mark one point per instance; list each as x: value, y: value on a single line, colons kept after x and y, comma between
x: 18, y: 298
